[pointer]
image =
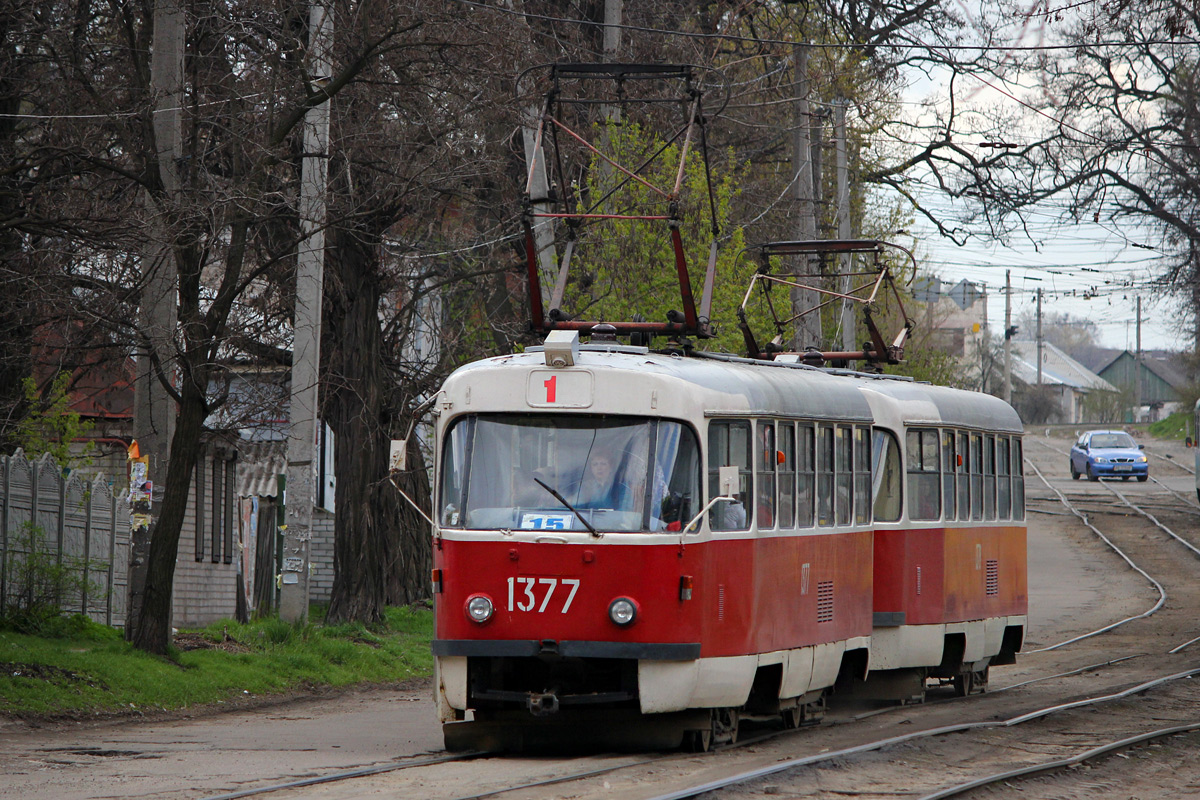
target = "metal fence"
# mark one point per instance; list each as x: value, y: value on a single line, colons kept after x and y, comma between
x: 73, y: 528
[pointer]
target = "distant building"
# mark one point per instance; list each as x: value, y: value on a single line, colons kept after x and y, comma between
x: 1156, y: 386
x: 1067, y: 392
x: 955, y: 315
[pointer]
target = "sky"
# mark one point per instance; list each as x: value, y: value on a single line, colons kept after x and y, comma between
x: 1090, y: 272
x: 1087, y: 270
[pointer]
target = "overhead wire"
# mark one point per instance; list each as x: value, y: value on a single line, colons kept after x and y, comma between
x: 817, y: 45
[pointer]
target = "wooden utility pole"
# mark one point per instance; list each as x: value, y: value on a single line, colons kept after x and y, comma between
x: 306, y: 342
x: 158, y: 313
x: 807, y: 330
x: 843, y: 218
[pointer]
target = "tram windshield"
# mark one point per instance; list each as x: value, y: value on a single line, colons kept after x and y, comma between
x: 617, y: 473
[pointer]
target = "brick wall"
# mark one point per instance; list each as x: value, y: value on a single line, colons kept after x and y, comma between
x: 320, y: 586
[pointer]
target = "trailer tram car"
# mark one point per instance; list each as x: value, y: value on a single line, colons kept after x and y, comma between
x: 668, y: 542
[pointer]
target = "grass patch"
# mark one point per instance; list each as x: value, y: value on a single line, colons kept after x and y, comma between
x: 80, y: 669
x: 1175, y: 426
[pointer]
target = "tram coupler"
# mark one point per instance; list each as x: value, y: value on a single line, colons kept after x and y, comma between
x: 542, y: 705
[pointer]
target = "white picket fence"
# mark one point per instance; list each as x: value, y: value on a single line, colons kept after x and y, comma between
x: 79, y: 522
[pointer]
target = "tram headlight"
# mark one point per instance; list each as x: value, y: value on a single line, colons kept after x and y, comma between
x: 480, y: 608
x: 623, y: 611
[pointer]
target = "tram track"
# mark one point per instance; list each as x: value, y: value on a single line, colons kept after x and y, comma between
x: 1057, y: 747
x: 849, y: 745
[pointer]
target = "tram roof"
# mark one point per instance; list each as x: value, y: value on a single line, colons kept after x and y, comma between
x: 734, y: 385
x: 942, y: 405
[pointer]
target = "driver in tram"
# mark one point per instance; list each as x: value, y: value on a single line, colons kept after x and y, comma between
x: 601, y: 487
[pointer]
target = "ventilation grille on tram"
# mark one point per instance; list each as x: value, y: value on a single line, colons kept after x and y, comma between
x: 824, y: 601
x: 993, y: 576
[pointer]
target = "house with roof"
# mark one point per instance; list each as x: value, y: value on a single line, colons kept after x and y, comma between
x: 228, y: 548
x: 1050, y: 386
x: 1156, y: 383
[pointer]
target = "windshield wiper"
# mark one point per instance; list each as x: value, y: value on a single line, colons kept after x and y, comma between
x: 574, y: 511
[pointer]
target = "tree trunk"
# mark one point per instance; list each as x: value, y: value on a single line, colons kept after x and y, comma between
x: 410, y: 580
x: 152, y: 631
x: 264, y: 557
x: 377, y: 558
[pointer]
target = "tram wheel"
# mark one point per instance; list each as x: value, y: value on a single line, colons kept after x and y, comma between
x: 966, y: 683
x: 793, y: 717
x: 725, y: 725
x: 697, y: 741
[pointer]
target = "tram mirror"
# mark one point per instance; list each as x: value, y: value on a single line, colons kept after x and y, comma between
x: 398, y: 458
x: 727, y: 479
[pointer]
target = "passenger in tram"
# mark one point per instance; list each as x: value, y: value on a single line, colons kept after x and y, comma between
x: 730, y: 515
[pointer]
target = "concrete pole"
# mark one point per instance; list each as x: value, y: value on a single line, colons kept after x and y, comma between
x: 808, y: 328
x: 843, y: 218
x: 612, y: 28
x: 158, y: 314
x: 306, y: 343
x: 1039, y: 338
x: 1137, y: 365
x: 1007, y: 336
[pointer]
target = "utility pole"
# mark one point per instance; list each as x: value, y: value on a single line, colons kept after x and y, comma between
x: 158, y: 313
x: 306, y: 342
x: 843, y: 217
x: 1039, y: 338
x: 1137, y: 365
x: 807, y: 330
x: 1008, y: 336
x: 539, y: 190
x: 612, y: 30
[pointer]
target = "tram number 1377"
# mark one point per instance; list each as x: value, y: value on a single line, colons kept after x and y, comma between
x: 524, y: 593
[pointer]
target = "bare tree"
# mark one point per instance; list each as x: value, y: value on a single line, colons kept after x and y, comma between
x: 223, y: 210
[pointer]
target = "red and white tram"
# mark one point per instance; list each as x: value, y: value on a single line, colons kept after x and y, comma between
x: 677, y: 540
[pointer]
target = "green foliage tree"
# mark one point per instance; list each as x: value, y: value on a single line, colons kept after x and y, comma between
x: 51, y: 425
x: 626, y: 267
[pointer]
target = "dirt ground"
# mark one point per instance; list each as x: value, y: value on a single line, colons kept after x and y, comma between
x: 1076, y: 585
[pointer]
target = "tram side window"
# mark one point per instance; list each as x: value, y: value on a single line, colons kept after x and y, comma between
x: 885, y: 478
x: 454, y: 461
x: 1003, y: 483
x: 976, y: 476
x: 787, y: 474
x: 949, y: 464
x: 924, y: 481
x: 1018, y: 480
x: 989, y: 477
x: 729, y: 445
x: 843, y: 467
x: 862, y: 476
x: 676, y: 495
x: 963, y: 470
x: 805, y: 475
x: 765, y: 477
x: 825, y: 475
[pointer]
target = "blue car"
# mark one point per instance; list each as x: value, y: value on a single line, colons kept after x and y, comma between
x: 1108, y: 454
